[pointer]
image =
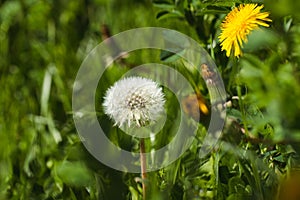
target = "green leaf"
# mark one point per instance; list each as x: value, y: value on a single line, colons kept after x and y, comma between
x: 74, y: 173
x: 164, y: 6
x: 261, y: 38
x: 169, y: 14
x: 168, y: 56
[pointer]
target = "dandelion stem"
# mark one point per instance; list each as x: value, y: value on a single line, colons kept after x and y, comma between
x: 143, y: 166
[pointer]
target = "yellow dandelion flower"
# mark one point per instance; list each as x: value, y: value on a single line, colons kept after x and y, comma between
x: 238, y: 24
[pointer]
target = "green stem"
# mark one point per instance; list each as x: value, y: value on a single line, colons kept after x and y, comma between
x: 241, y: 104
x: 143, y: 166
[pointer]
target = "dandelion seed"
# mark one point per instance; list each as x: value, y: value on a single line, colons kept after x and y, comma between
x: 238, y: 24
x: 134, y: 100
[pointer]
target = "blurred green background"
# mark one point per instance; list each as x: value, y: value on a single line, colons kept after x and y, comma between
x: 43, y: 43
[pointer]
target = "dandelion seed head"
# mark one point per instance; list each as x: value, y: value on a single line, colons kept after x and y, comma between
x: 238, y: 24
x: 134, y: 100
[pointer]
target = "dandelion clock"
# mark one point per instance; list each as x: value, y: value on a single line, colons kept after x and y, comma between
x: 135, y: 102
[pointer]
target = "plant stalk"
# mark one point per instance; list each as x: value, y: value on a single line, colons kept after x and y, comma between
x: 143, y: 166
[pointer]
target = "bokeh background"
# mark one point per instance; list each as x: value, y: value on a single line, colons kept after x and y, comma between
x: 43, y: 43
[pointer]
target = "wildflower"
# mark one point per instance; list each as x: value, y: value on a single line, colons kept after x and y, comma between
x: 134, y: 99
x: 238, y: 24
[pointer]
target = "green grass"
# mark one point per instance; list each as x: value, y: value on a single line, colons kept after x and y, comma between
x: 42, y: 46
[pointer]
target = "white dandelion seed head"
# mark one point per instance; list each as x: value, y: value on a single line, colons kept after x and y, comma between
x: 134, y: 100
